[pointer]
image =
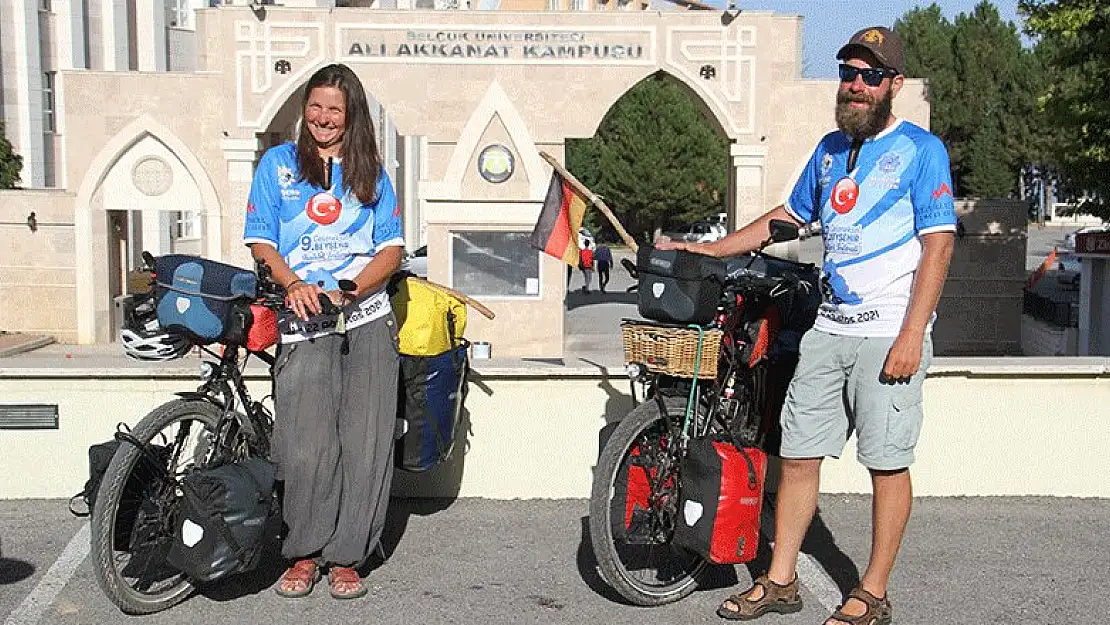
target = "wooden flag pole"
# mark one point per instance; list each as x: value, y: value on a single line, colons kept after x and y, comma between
x: 470, y: 301
x: 594, y: 199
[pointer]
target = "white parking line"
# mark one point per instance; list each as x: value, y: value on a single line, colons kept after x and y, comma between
x: 35, y: 604
x: 818, y: 582
x: 810, y: 574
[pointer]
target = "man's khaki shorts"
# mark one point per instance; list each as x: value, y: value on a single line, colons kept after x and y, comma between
x: 837, y: 389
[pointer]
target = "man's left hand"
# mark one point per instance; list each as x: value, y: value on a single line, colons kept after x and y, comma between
x: 903, y: 360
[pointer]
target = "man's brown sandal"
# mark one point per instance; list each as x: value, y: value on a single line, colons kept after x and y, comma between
x: 345, y: 583
x: 878, y: 611
x: 776, y: 598
x: 298, y: 580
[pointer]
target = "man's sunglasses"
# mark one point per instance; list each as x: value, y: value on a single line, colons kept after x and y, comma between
x: 872, y: 76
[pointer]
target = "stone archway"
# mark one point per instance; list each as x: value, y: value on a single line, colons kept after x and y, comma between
x: 90, y: 219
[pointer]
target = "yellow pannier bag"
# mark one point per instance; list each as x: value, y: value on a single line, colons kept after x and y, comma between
x: 431, y: 321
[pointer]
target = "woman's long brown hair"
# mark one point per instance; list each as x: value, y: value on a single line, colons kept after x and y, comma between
x: 361, y: 162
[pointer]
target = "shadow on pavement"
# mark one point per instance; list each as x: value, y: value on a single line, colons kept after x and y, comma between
x: 12, y: 571
x: 819, y: 543
x: 711, y: 579
x: 577, y: 299
x: 587, y: 567
x: 273, y: 565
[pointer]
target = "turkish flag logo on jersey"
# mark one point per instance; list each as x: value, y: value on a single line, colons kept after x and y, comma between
x: 844, y: 195
x: 323, y: 208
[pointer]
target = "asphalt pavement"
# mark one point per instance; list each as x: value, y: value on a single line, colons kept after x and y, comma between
x: 964, y: 560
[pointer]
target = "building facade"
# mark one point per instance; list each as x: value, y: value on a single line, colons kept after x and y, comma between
x: 140, y: 129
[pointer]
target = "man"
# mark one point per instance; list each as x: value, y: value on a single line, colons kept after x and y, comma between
x: 604, y: 259
x: 882, y: 189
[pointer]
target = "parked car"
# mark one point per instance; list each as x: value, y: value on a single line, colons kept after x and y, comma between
x: 702, y: 232
x: 1069, y: 238
x: 416, y: 261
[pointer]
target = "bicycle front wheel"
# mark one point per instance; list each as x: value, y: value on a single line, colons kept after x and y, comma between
x: 634, y: 507
x: 137, y: 506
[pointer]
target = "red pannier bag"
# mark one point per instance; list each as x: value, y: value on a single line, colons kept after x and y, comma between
x: 263, y: 332
x: 722, y: 497
x: 631, y: 516
x: 637, y: 495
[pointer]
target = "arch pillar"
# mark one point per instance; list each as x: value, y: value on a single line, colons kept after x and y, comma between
x: 747, y: 183
x: 240, y: 156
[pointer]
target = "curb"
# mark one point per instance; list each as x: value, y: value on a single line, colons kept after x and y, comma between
x: 28, y: 343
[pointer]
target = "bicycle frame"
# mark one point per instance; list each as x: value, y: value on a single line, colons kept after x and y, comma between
x: 225, y: 388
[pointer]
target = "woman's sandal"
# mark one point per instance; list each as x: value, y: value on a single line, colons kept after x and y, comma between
x: 776, y: 598
x: 878, y: 611
x: 345, y: 583
x: 300, y: 578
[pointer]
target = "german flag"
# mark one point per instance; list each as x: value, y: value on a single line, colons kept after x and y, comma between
x: 556, y: 232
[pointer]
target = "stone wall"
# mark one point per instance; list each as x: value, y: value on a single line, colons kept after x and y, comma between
x: 979, y: 313
x: 37, y: 276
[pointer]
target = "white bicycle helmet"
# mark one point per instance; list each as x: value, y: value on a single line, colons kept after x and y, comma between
x: 142, y: 336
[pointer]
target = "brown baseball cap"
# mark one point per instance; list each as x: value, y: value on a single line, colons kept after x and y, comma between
x: 884, y: 43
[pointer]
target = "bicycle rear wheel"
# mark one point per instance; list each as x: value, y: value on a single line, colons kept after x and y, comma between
x: 634, y: 507
x: 132, y: 523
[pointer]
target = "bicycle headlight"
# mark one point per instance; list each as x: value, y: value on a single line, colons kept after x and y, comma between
x: 207, y: 369
x: 635, y: 370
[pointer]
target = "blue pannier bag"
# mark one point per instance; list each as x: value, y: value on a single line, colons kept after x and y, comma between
x: 430, y: 400
x: 208, y: 301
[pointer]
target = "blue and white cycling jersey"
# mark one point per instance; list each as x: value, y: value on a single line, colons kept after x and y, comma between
x: 323, y: 238
x: 901, y: 188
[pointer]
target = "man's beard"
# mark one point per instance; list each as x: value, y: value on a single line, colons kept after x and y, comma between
x: 863, y: 123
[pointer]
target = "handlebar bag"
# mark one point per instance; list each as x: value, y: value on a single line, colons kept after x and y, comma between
x: 207, y: 301
x: 677, y: 286
x: 722, y: 497
x: 225, y: 514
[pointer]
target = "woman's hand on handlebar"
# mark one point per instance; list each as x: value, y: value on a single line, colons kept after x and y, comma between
x: 302, y: 298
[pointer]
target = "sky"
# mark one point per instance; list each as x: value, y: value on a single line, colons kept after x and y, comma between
x: 829, y: 23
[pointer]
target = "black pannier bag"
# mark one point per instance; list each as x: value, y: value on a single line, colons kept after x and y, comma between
x: 224, y: 516
x: 430, y: 399
x: 207, y: 301
x: 677, y: 286
x: 137, y: 491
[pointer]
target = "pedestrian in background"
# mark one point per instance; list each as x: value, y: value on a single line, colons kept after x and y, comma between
x: 604, y: 260
x: 586, y: 264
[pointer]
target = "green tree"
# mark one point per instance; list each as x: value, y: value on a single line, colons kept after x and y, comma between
x: 927, y: 37
x: 10, y: 162
x: 982, y: 93
x: 656, y: 159
x: 1075, y: 48
x: 988, y: 57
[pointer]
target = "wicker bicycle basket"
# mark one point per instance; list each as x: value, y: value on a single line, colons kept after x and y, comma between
x: 673, y: 351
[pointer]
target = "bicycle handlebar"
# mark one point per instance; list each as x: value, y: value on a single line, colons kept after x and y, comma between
x: 811, y: 229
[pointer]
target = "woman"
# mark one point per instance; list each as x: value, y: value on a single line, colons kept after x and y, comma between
x: 322, y: 210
